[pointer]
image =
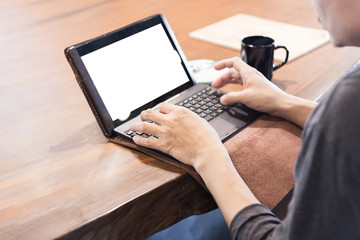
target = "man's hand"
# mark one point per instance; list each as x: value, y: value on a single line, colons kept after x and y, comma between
x: 180, y: 133
x: 258, y: 92
x: 261, y: 94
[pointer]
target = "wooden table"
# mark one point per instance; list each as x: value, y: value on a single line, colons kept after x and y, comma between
x: 58, y: 172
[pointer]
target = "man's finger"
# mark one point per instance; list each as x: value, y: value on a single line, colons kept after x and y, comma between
x: 145, y: 127
x: 227, y: 63
x: 149, y: 142
x: 166, y: 108
x: 232, y: 98
x: 222, y: 80
x: 152, y: 115
x: 234, y: 62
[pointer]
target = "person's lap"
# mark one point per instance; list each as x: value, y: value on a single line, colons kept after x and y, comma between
x: 208, y: 226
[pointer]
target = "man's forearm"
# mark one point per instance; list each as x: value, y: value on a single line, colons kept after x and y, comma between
x: 228, y: 189
x: 295, y: 109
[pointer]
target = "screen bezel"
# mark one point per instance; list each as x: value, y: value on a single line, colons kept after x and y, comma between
x: 109, y: 38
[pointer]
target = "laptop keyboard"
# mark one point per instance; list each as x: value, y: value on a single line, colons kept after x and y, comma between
x: 205, y: 103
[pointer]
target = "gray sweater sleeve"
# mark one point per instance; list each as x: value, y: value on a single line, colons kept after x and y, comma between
x: 326, y: 199
x: 253, y: 222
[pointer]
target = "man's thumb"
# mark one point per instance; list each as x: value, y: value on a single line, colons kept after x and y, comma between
x: 232, y: 98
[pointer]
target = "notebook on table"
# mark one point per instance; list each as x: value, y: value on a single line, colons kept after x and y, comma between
x: 137, y: 67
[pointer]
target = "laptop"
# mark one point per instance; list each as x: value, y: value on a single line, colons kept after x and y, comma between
x: 139, y: 66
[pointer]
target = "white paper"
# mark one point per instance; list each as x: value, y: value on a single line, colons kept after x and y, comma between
x: 230, y: 31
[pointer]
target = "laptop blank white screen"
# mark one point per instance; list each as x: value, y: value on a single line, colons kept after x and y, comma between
x: 135, y: 70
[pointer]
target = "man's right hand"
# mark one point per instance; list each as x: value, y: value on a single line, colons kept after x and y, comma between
x: 261, y: 94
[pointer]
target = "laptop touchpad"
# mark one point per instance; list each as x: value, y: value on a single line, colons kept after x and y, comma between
x: 226, y: 125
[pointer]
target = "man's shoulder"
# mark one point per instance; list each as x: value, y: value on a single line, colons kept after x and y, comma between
x: 337, y: 117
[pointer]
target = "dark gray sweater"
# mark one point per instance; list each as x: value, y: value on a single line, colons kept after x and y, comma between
x: 326, y: 200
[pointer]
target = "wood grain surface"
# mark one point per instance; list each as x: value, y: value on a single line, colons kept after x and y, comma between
x: 58, y: 174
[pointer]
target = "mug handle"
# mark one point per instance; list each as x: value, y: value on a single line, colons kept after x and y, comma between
x: 286, y: 58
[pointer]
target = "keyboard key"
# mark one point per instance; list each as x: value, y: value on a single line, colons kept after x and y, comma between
x: 198, y: 110
x: 202, y: 114
x: 205, y: 103
x: 208, y: 118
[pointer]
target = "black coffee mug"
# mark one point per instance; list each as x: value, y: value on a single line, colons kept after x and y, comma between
x: 258, y: 52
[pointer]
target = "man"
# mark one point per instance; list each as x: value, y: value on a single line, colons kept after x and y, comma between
x: 326, y: 200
